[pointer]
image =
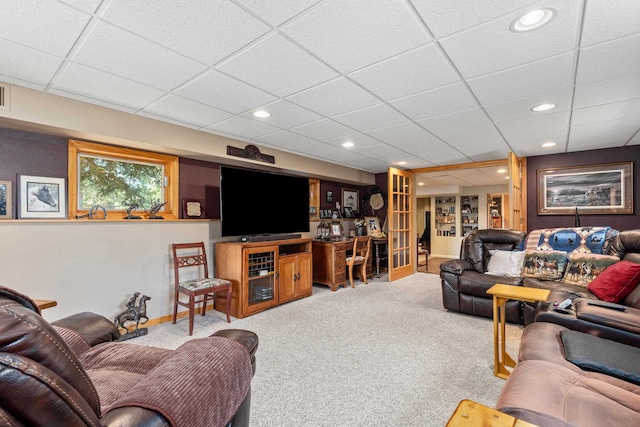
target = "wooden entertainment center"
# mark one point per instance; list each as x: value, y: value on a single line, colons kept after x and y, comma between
x: 264, y: 274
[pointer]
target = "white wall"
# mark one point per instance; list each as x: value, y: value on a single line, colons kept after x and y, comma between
x: 96, y: 266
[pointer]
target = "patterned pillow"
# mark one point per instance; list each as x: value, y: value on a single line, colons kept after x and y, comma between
x: 583, y: 268
x: 578, y: 239
x: 545, y: 265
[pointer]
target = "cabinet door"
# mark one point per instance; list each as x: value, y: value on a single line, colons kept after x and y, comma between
x: 287, y: 278
x: 304, y: 281
x: 260, y: 278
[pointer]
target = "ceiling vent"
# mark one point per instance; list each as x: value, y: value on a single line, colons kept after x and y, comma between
x: 5, y: 96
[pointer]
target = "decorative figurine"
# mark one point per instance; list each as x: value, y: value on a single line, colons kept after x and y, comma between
x: 133, y: 313
x: 92, y: 211
x: 154, y: 210
x: 131, y: 208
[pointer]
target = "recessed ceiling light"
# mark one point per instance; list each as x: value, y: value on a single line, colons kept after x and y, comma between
x: 348, y: 144
x: 549, y: 144
x: 421, y: 183
x: 532, y: 20
x: 401, y: 163
x: 543, y: 107
x: 262, y: 114
x: 501, y: 171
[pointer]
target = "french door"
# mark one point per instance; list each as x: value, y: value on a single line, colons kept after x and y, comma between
x: 401, y: 238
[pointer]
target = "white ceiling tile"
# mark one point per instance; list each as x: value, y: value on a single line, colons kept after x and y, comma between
x: 470, y: 118
x: 369, y: 164
x: 285, y: 139
x: 446, y: 17
x: 48, y: 26
x: 89, y: 6
x: 466, y: 135
x: 492, y: 46
x: 334, y: 97
x: 24, y: 66
x: 243, y: 127
x: 186, y: 111
x: 353, y: 34
x: 278, y: 66
x: 277, y: 12
x: 323, y: 130
x: 204, y: 33
x: 628, y: 125
x: 378, y: 116
x: 226, y: 93
x: 548, y: 75
x: 438, y: 154
x: 324, y: 151
x: 91, y: 83
x: 93, y: 100
x: 608, y: 20
x: 606, y: 112
x: 537, y: 128
x: 402, y: 133
x: 489, y: 149
x: 604, y: 140
x: 608, y: 60
x: 635, y: 140
x: 415, y: 71
x: 521, y: 108
x: 167, y: 120
x: 142, y: 61
x: 360, y: 140
x: 284, y: 114
x: 393, y: 155
x: 436, y: 102
x: 607, y: 91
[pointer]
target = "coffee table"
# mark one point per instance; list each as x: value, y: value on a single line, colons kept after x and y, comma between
x: 501, y: 294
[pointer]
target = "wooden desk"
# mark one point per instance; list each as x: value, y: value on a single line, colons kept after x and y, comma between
x: 330, y: 262
x: 501, y: 294
x: 473, y: 414
x: 45, y: 303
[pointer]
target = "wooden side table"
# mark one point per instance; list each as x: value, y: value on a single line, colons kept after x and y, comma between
x: 501, y: 294
x: 45, y: 303
x: 473, y: 414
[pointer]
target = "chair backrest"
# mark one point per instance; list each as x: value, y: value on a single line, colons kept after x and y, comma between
x: 190, y: 255
x: 361, y: 249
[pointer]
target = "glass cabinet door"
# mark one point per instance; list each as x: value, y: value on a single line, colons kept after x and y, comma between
x: 261, y: 277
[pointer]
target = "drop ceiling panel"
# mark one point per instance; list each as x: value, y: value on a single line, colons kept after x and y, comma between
x: 436, y: 102
x: 616, y: 111
x: 607, y: 91
x: 350, y: 35
x: 415, y: 71
x: 360, y: 140
x: 142, y: 61
x: 323, y: 130
x: 492, y: 47
x: 277, y: 13
x: 375, y: 117
x: 24, y: 66
x: 470, y: 118
x: 202, y: 35
x: 187, y: 111
x: 94, y: 101
x: 89, y: 6
x: 469, y: 135
x: 628, y: 125
x: 243, y: 127
x: 277, y: 66
x: 285, y: 140
x: 398, y: 134
x: 535, y: 127
x: 521, y: 108
x: 48, y: 26
x: 91, y: 83
x: 608, y: 20
x: 284, y: 114
x: 608, y: 60
x: 591, y: 142
x: 334, y: 97
x: 226, y: 93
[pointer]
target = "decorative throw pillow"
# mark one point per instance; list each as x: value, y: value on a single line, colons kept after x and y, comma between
x: 505, y: 263
x: 583, y: 268
x: 616, y: 282
x: 545, y: 265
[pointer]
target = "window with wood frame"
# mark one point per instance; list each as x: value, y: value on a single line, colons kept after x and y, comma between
x: 120, y: 179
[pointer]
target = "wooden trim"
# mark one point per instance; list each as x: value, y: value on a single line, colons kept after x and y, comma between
x: 170, y: 163
x: 472, y: 165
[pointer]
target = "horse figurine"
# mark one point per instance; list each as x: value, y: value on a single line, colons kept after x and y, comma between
x: 133, y: 313
x: 41, y: 200
x: 155, y: 209
x: 130, y: 209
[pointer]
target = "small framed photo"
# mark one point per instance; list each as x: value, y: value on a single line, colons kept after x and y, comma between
x: 329, y: 196
x: 348, y: 213
x: 6, y: 198
x: 192, y: 208
x: 42, y: 197
x: 336, y: 229
x: 350, y: 199
x: 373, y: 226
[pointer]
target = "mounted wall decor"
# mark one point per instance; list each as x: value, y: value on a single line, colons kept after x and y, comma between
x: 192, y: 208
x: 6, y: 199
x: 350, y: 199
x: 42, y: 197
x: 250, y: 152
x: 595, y: 189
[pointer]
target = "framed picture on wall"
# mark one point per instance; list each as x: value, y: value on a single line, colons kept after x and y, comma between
x: 42, y: 197
x: 192, y: 208
x: 329, y: 196
x: 6, y: 207
x: 373, y: 226
x: 350, y: 199
x: 594, y: 189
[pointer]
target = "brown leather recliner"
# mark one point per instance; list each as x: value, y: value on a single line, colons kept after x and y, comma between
x: 73, y: 373
x: 464, y: 282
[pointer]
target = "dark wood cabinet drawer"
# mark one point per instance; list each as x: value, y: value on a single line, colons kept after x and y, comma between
x: 340, y: 278
x: 341, y: 256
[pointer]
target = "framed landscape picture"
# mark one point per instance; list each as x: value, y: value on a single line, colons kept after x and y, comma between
x: 6, y: 207
x: 594, y: 189
x: 42, y: 197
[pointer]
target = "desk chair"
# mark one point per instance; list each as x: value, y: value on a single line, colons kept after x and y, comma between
x: 192, y: 258
x: 359, y: 257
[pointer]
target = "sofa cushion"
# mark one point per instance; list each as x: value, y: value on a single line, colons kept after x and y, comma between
x: 505, y: 263
x: 579, y: 239
x: 583, y: 268
x: 616, y: 282
x: 546, y: 265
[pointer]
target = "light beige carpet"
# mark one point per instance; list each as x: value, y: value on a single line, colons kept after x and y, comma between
x: 378, y: 355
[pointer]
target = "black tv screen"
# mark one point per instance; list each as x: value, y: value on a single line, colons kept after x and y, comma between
x: 259, y: 203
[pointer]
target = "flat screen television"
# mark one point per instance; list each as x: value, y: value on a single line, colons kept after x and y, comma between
x: 262, y: 203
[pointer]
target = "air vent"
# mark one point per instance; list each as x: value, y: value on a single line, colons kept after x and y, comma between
x: 5, y: 96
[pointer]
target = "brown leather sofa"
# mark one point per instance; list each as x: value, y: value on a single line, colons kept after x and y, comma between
x: 73, y: 372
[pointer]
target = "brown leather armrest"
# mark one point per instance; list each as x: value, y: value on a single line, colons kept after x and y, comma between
x: 627, y: 320
x: 93, y: 327
x: 456, y: 266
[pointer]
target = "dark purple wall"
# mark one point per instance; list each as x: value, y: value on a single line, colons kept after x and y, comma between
x: 582, y: 158
x: 200, y: 180
x: 25, y: 153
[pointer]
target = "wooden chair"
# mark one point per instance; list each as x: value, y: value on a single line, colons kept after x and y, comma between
x: 191, y: 258
x: 359, y: 257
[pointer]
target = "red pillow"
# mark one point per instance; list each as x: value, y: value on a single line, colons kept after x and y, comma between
x: 616, y: 282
